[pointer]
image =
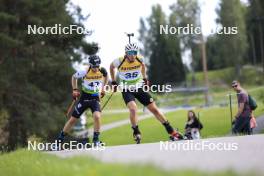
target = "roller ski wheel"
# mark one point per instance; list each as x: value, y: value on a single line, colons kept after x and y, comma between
x: 176, y: 136
x: 137, y: 138
x: 98, y: 143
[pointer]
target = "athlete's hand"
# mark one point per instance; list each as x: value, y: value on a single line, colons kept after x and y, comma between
x: 102, y: 94
x: 114, y: 86
x: 146, y: 82
x: 75, y: 94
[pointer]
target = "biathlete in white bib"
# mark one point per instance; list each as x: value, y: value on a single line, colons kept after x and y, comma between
x: 93, y: 81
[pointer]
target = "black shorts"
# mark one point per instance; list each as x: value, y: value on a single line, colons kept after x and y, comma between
x: 86, y: 101
x: 143, y: 97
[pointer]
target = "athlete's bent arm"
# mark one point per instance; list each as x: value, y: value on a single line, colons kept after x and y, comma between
x: 105, y: 81
x: 74, y: 82
x: 240, y: 109
x: 143, y: 71
x: 112, y: 72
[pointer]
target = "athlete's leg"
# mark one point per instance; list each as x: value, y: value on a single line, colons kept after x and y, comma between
x: 132, y: 106
x: 97, y: 125
x: 67, y: 127
x: 129, y: 99
x: 79, y: 108
x: 97, y: 121
x: 174, y: 135
x: 156, y: 112
x: 69, y: 124
x: 146, y: 99
x: 95, y: 107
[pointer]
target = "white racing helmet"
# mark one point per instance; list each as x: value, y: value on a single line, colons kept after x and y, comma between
x: 131, y: 47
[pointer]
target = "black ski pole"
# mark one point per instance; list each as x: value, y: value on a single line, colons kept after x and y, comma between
x: 69, y: 110
x: 199, y: 124
x: 107, y: 101
x: 231, y: 113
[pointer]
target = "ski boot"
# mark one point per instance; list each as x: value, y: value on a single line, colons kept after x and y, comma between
x: 59, y: 142
x: 174, y: 134
x: 96, y: 141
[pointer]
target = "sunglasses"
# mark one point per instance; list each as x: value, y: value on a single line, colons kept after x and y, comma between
x: 131, y: 53
x: 94, y: 66
x: 234, y: 86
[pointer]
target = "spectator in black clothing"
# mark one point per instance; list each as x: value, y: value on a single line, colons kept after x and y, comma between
x: 241, y: 123
x: 193, y: 126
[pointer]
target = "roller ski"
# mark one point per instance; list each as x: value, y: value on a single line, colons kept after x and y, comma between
x: 137, y: 138
x: 59, y: 141
x: 96, y: 141
x: 136, y: 134
x: 66, y: 138
x: 176, y: 136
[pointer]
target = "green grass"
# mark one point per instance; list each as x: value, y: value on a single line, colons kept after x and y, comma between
x: 116, y: 102
x: 153, y: 131
x: 29, y: 163
x: 107, y: 118
x: 260, y: 110
x: 223, y: 77
x: 216, y: 121
x: 219, y: 86
x: 217, y: 97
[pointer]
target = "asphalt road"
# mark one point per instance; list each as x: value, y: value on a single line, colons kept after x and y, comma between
x: 240, y: 153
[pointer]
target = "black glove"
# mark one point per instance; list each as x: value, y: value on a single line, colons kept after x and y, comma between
x: 102, y: 94
x: 75, y: 94
x: 146, y: 81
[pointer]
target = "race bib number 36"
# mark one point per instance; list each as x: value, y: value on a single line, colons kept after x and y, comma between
x: 133, y: 75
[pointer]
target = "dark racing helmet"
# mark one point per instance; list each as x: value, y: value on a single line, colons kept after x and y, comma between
x: 94, y: 61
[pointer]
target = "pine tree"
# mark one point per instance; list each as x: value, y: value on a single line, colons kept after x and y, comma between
x: 232, y: 14
x: 36, y: 69
x: 162, y: 50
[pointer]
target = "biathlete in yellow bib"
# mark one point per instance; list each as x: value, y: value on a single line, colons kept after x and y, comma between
x: 93, y: 81
x: 132, y: 77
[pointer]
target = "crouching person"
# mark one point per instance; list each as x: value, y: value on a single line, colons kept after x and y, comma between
x: 193, y: 126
